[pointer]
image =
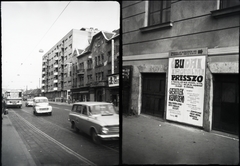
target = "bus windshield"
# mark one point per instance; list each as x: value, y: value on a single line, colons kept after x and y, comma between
x: 13, y: 95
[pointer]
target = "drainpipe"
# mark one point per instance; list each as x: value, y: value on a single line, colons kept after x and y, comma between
x: 112, y: 56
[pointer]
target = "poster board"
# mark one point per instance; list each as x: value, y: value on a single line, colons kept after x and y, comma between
x: 186, y: 83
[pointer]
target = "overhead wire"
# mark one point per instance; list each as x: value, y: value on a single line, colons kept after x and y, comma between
x: 47, y: 31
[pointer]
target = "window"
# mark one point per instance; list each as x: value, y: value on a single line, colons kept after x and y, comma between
x: 227, y: 8
x: 159, y: 12
x: 102, y: 58
x: 228, y: 3
x: 84, y: 110
x: 99, y: 60
x: 96, y: 62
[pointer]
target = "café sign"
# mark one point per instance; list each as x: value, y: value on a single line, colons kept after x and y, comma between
x: 113, y: 80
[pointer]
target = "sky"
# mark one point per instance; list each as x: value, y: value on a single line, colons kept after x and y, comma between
x: 28, y: 27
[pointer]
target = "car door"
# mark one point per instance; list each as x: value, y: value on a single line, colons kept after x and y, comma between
x: 78, y: 117
x: 73, y: 113
x: 84, y: 123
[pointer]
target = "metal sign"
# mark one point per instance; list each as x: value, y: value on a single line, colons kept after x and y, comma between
x: 113, y: 80
x: 189, y: 52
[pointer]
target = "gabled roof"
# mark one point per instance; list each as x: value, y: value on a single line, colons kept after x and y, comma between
x: 107, y: 35
x: 77, y: 51
x: 86, y: 50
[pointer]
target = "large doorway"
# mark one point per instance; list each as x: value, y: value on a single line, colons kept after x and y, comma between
x: 153, y: 94
x: 226, y: 103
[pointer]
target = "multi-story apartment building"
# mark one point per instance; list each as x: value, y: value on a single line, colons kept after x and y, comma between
x: 181, y: 60
x: 94, y: 64
x: 57, y: 63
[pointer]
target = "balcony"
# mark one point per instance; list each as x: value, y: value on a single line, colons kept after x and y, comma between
x: 56, y: 59
x: 55, y: 88
x: 43, y: 73
x: 80, y: 71
x: 55, y: 73
x: 55, y: 81
x: 43, y: 90
x: 43, y: 78
x: 55, y: 66
x: 43, y: 85
x: 44, y: 66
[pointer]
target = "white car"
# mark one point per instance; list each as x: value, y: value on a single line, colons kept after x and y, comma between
x: 29, y: 102
x: 41, y: 105
x: 97, y: 119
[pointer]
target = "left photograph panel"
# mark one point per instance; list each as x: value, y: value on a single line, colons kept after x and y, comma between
x: 60, y: 83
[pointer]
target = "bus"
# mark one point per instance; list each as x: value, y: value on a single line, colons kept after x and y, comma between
x: 13, y: 98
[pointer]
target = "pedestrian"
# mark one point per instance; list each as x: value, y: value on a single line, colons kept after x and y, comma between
x: 3, y: 107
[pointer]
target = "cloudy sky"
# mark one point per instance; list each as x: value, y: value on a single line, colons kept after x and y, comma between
x: 29, y: 26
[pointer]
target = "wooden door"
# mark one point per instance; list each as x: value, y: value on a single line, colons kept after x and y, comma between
x: 153, y: 94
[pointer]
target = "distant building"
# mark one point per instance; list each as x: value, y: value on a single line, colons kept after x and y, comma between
x: 181, y: 61
x: 28, y: 94
x: 93, y: 65
x: 57, y: 63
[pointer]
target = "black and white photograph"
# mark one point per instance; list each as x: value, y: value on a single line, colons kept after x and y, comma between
x: 147, y: 82
x: 180, y: 89
x: 58, y: 105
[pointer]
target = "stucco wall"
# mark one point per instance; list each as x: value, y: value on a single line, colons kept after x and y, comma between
x: 193, y: 26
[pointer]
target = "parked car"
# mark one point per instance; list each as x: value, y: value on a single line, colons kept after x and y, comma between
x: 41, y: 105
x: 97, y: 119
x: 29, y: 102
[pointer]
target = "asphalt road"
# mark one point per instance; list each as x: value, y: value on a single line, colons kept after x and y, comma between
x: 51, y: 141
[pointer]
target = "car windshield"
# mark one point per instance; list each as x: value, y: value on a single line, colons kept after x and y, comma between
x: 41, y: 100
x: 102, y: 109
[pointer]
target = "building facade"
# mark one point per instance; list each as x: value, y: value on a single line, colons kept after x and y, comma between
x: 180, y: 61
x: 92, y: 68
x: 57, y: 63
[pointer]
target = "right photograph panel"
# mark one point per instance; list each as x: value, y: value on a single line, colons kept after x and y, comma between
x: 180, y: 88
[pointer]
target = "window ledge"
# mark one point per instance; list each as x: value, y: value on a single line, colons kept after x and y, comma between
x: 155, y: 27
x: 226, y: 12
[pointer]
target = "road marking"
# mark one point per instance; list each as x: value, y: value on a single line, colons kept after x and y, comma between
x: 61, y: 108
x: 55, y: 107
x: 70, y: 151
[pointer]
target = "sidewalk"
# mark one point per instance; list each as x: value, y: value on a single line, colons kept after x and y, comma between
x: 14, y: 151
x: 149, y: 140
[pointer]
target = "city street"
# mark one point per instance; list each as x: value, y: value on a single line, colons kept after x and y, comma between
x: 149, y: 140
x: 51, y: 141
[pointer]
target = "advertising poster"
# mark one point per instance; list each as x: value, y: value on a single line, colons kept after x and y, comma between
x: 186, y: 81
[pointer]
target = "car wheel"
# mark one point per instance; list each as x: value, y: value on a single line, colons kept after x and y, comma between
x: 95, y: 137
x: 35, y: 113
x: 50, y: 113
x: 74, y: 127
